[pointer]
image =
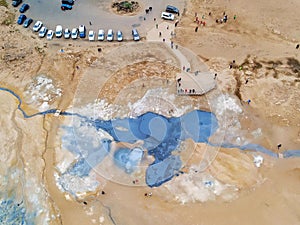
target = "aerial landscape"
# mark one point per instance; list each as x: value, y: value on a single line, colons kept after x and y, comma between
x: 149, y: 112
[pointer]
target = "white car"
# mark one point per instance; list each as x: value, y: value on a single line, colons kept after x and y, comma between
x: 50, y: 34
x: 37, y: 26
x: 167, y: 16
x: 74, y: 33
x: 82, y: 31
x: 91, y: 35
x: 67, y: 33
x: 58, y: 31
x: 101, y: 35
x: 135, y: 35
x: 43, y: 32
x: 110, y: 35
x: 119, y: 35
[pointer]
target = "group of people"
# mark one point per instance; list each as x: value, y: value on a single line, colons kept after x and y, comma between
x: 202, y: 22
x: 199, y: 22
x: 186, y: 91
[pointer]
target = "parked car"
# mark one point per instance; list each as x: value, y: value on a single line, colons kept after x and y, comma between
x: 82, y: 31
x: 91, y: 35
x: 37, y: 26
x: 135, y: 35
x: 43, y: 32
x: 110, y: 35
x: 58, y: 31
x: 65, y: 7
x: 67, y: 2
x: 24, y: 8
x: 101, y: 35
x: 50, y: 34
x: 21, y: 19
x: 119, y: 35
x: 27, y: 22
x: 167, y: 16
x: 74, y: 33
x: 172, y: 9
x: 16, y: 3
x: 67, y: 33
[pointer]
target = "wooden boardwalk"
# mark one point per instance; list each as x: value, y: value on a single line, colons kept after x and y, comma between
x: 197, y: 83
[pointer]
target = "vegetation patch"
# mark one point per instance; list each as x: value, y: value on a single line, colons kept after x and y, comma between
x: 10, y: 18
x: 3, y: 3
x: 126, y: 6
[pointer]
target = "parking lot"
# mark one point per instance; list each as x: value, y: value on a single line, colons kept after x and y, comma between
x: 99, y: 13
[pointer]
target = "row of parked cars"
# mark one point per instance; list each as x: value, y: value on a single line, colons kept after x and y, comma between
x: 75, y: 32
x: 110, y: 35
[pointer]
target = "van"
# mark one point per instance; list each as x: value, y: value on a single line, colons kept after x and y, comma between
x: 58, y: 31
x: 110, y: 35
x: 172, y: 9
x: 82, y: 31
x: 135, y: 35
x: 101, y: 35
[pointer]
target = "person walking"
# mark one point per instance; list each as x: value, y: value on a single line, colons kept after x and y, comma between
x: 176, y: 23
x: 196, y: 29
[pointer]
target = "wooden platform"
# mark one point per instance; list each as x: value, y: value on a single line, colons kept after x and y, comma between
x: 195, y: 83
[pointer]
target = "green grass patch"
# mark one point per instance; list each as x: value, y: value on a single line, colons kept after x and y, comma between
x: 3, y: 3
x: 10, y: 18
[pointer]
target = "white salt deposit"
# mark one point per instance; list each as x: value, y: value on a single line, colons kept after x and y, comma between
x: 158, y: 100
x: 199, y: 187
x: 77, y: 186
x: 258, y: 160
x: 227, y: 110
x: 42, y: 92
x: 224, y: 103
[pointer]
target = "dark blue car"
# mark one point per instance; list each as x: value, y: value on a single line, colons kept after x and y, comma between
x: 172, y: 9
x: 65, y: 7
x: 15, y: 3
x: 24, y: 8
x: 68, y: 2
x: 27, y: 22
x: 21, y: 19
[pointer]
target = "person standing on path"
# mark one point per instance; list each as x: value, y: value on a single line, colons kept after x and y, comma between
x: 196, y: 29
x: 176, y: 23
x: 278, y: 146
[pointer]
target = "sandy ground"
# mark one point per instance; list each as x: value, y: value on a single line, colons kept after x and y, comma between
x: 262, y: 39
